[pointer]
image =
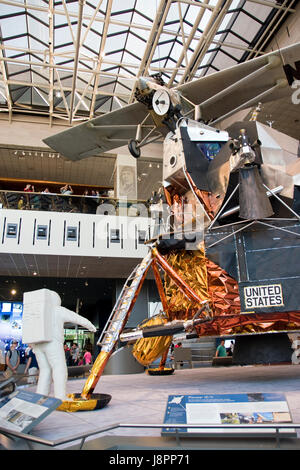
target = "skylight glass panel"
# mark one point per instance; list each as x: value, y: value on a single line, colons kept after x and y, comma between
x: 206, y: 59
x: 115, y: 43
x: 123, y: 17
x: 112, y: 57
x: 60, y: 20
x: 246, y: 32
x: 258, y: 11
x: 234, y: 4
x: 38, y: 99
x: 173, y: 14
x: 126, y: 83
x: 92, y: 40
x: 105, y: 107
x: 25, y: 98
x: 149, y: 8
x: 21, y: 42
x: 40, y: 75
x: 90, y: 10
x: 235, y: 51
x: 191, y: 13
x: 163, y: 50
x: 136, y: 45
x: 38, y: 30
x: 36, y: 45
x: 13, y: 26
x: 187, y: 29
x: 121, y: 5
x: 18, y: 74
x: 225, y: 23
x: 120, y: 89
x: 205, y: 19
x: 223, y: 61
x: 41, y: 15
x: 62, y: 36
x: 9, y: 9
x: 72, y: 7
x: 141, y: 20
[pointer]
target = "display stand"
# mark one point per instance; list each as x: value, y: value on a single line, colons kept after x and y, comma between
x: 238, y: 409
x: 22, y: 410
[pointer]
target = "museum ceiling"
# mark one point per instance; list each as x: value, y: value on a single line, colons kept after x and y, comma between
x: 73, y: 60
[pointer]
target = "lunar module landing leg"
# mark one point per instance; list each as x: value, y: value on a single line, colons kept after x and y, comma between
x: 154, y: 339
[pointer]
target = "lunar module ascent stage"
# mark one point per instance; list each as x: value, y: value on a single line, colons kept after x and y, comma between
x: 230, y: 264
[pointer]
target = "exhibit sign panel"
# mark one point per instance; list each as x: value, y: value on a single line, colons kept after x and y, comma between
x: 242, y: 408
x: 21, y: 411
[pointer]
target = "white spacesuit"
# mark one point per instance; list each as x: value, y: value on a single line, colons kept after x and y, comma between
x: 43, y: 327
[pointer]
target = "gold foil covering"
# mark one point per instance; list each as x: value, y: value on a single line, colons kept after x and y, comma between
x: 191, y: 267
x: 75, y: 404
x: 96, y: 372
x: 147, y: 350
x: 223, y: 290
x: 250, y: 323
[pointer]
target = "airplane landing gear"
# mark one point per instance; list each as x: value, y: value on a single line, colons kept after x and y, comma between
x: 134, y: 149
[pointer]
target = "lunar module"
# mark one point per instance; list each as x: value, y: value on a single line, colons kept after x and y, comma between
x: 236, y: 273
x: 227, y: 265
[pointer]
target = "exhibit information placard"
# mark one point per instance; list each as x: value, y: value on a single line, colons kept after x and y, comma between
x: 23, y: 410
x: 242, y: 408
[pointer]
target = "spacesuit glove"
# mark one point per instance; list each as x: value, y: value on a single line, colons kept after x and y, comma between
x: 91, y: 327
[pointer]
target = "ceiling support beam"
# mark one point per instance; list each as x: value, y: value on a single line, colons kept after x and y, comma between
x: 51, y: 59
x: 273, y: 5
x: 63, y: 94
x: 69, y: 22
x: 263, y: 40
x: 6, y: 87
x: 157, y: 27
x: 189, y: 40
x: 204, y: 5
x: 76, y: 58
x: 93, y: 18
x: 100, y: 56
x: 65, y: 88
x: 209, y: 32
x: 107, y: 61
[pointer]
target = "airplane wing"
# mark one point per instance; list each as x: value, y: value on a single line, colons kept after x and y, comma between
x: 106, y: 132
x: 262, y: 79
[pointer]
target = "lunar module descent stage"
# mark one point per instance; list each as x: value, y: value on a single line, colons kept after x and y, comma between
x: 236, y: 276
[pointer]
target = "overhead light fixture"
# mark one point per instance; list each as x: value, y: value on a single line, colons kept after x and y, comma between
x: 13, y: 292
x: 34, y: 273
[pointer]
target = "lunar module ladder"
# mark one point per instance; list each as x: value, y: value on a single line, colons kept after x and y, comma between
x: 116, y: 322
x: 125, y: 300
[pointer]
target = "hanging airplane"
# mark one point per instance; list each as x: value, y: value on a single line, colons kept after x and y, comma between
x: 230, y: 263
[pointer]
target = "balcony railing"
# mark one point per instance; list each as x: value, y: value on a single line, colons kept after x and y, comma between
x: 73, y: 203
